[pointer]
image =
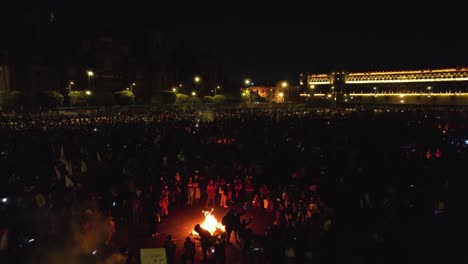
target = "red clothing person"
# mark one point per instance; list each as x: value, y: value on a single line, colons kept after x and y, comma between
x: 211, y: 193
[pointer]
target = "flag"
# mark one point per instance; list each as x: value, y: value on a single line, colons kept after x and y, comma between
x: 62, y: 155
x: 57, y: 173
x: 83, y: 168
x: 68, y: 167
x: 68, y: 182
x: 3, y: 239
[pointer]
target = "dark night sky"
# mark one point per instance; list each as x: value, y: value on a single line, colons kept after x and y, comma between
x: 271, y: 41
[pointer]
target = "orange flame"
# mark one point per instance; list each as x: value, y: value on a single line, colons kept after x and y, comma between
x: 211, y: 224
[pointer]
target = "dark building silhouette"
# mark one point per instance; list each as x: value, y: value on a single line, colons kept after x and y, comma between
x: 48, y: 50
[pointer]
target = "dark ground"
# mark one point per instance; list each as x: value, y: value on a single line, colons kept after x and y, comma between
x: 180, y: 224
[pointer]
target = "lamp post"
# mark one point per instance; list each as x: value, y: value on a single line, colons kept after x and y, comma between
x: 88, y: 93
x: 215, y: 90
x: 334, y: 97
x: 69, y: 86
x: 196, y: 80
x: 247, y: 83
x: 69, y: 91
x: 193, y: 94
x: 285, y: 86
x: 90, y: 74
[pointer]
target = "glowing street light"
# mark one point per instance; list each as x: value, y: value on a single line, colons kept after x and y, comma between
x: 131, y: 86
x: 247, y: 82
x: 70, y: 86
x: 281, y: 96
x: 69, y: 91
x: 285, y: 85
x: 193, y: 94
x: 90, y: 74
x: 215, y: 90
x: 88, y: 92
x: 196, y: 79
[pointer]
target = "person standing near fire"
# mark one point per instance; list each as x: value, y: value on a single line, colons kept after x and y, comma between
x: 197, y: 187
x: 205, y: 240
x: 190, y: 191
x: 177, y: 194
x: 237, y: 224
x: 223, y: 192
x: 188, y: 257
x: 211, y: 194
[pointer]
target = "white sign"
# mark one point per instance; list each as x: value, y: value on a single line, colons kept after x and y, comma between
x: 153, y: 256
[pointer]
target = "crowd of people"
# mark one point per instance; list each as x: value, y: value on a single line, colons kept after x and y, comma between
x: 361, y: 185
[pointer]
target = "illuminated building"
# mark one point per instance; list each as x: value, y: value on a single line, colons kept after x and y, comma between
x: 437, y: 86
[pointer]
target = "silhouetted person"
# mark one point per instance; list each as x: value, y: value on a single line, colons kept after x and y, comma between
x: 228, y: 222
x: 189, y: 251
x: 205, y: 240
x: 237, y: 223
x: 170, y: 247
x: 220, y: 250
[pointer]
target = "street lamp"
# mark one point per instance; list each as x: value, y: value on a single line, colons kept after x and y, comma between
x: 70, y: 85
x: 247, y: 83
x: 285, y: 85
x: 90, y: 74
x: 179, y: 88
x: 334, y: 97
x: 131, y: 86
x: 193, y: 94
x: 215, y: 90
x: 88, y: 93
x: 196, y: 79
x: 69, y: 91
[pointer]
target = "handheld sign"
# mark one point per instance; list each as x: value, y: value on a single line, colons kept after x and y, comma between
x: 153, y: 256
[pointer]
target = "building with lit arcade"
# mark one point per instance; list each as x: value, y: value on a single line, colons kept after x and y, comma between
x: 437, y: 86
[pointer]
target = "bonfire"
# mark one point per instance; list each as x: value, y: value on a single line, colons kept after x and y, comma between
x: 211, y: 224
